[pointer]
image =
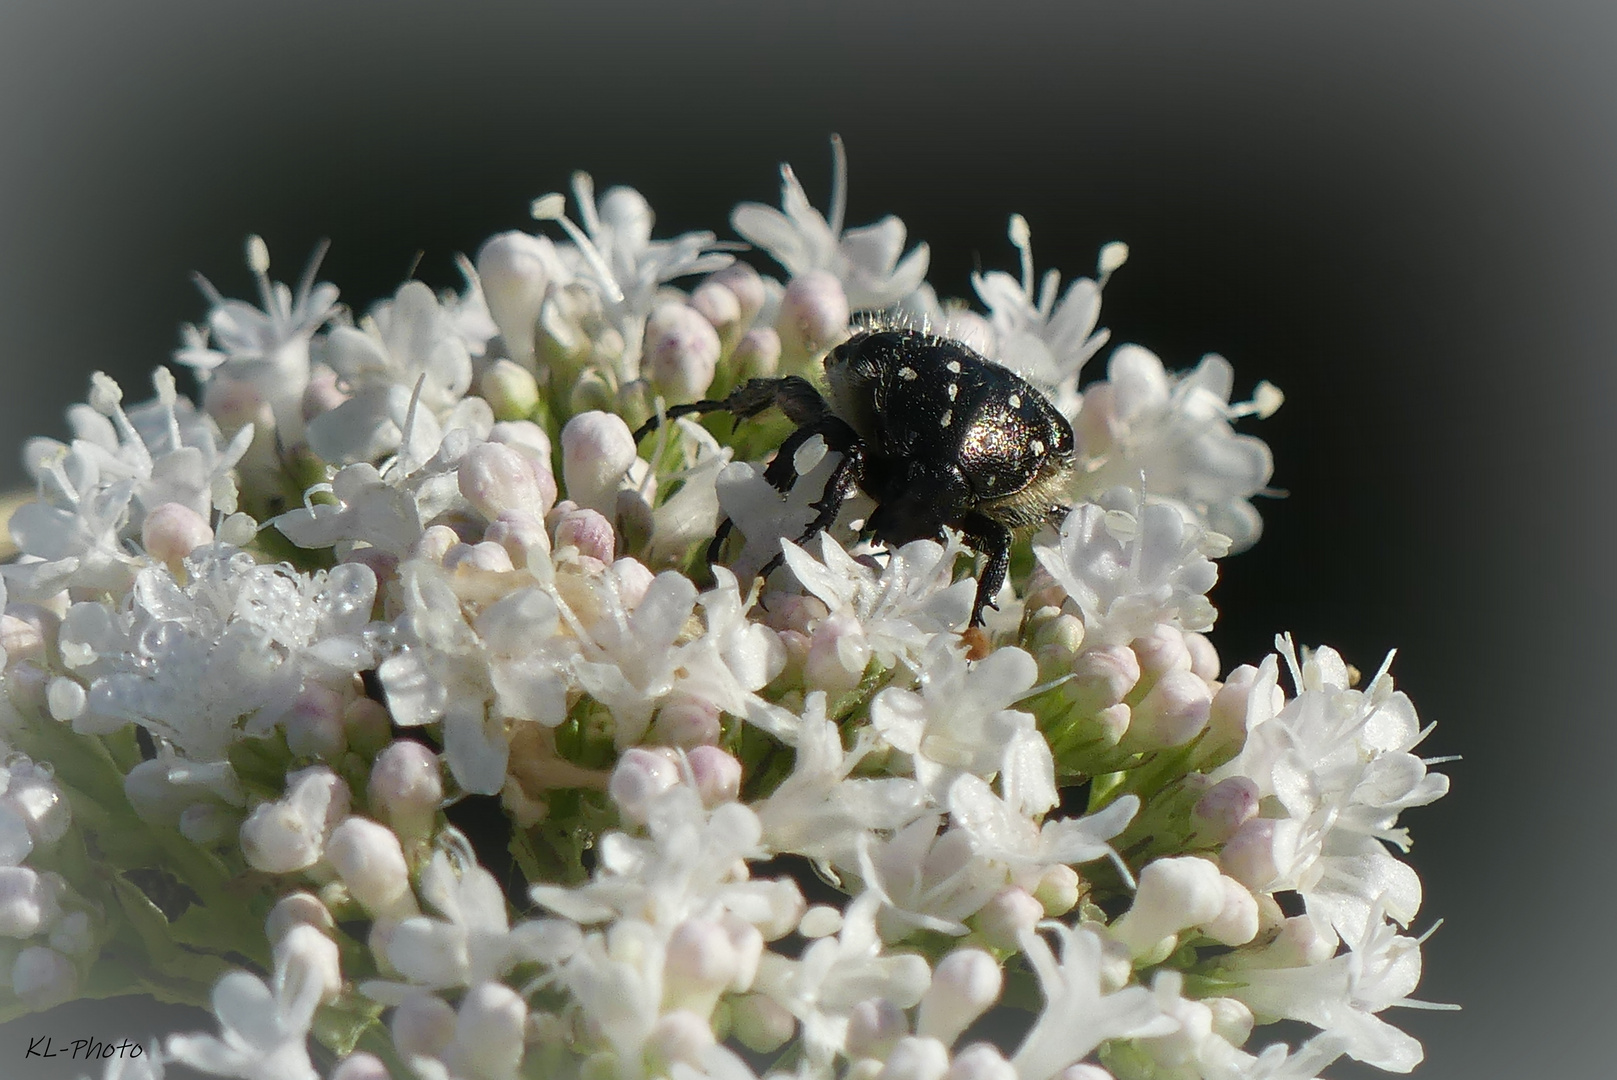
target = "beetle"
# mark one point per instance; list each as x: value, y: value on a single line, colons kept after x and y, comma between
x: 937, y: 434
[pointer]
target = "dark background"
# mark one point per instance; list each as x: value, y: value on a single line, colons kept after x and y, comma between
x: 1405, y: 215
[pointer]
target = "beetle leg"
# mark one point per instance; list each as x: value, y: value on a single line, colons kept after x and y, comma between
x: 844, y: 478
x: 994, y: 540
x: 794, y: 395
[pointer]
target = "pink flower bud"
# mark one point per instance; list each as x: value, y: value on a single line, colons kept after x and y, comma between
x: 813, y: 314
x: 495, y: 478
x: 588, y: 531
x: 681, y: 1035
x: 1224, y: 808
x: 640, y: 777
x: 681, y: 353
x: 718, y: 774
x: 1011, y: 912
x: 757, y: 354
x: 368, y: 858
x: 965, y: 984
x: 874, y: 1027
x: 745, y: 284
x: 1260, y: 851
x: 597, y: 449
x: 486, y: 557
x: 361, y: 1066
x: 522, y: 534
x: 524, y: 435
x: 314, y: 725
x: 1237, y: 922
x: 1160, y: 651
x: 434, y: 543
x: 172, y: 531
x: 1172, y: 714
x: 1227, y: 718
x: 406, y: 787
x: 1102, y: 677
x: 837, y: 657
x: 514, y: 269
x: 718, y: 305
x: 686, y: 722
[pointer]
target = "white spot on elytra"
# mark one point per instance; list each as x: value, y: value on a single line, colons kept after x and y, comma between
x: 992, y: 480
x: 948, y: 417
x: 906, y: 373
x: 1036, y: 446
x: 953, y: 366
x: 954, y: 390
x: 1016, y: 401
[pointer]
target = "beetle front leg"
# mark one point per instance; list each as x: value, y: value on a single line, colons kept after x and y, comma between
x: 988, y: 536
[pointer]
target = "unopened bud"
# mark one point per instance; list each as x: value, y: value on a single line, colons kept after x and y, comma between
x: 172, y: 531
x: 1171, y: 714
x: 718, y: 774
x: 639, y: 778
x: 719, y: 306
x: 589, y: 532
x: 837, y: 657
x: 813, y: 314
x: 1174, y: 894
x: 495, y: 478
x: 760, y: 1023
x: 1102, y: 677
x: 1058, y: 889
x: 686, y: 722
x: 981, y: 1061
x: 489, y: 1032
x: 322, y: 394
x: 874, y: 1026
x: 681, y: 353
x: 522, y: 534
x: 1160, y: 651
x: 314, y: 725
x: 1203, y: 657
x: 597, y: 450
x: 304, y: 954
x: 288, y: 834
x: 916, y: 1058
x: 1237, y: 922
x: 422, y: 1026
x: 1232, y: 1020
x: 1260, y: 851
x: 406, y: 787
x: 681, y: 1035
x: 1227, y: 719
x: 23, y: 904
x: 745, y: 284
x: 361, y: 1066
x: 510, y: 390
x: 484, y: 556
x: 297, y: 909
x: 1012, y: 912
x: 965, y: 984
x: 513, y: 267
x: 368, y: 858
x: 757, y: 354
x: 66, y: 698
x: 1224, y: 808
x: 434, y: 543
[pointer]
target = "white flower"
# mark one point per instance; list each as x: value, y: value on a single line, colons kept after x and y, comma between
x: 1033, y: 336
x: 473, y: 942
x: 928, y: 880
x: 95, y: 492
x: 267, y: 348
x: 1176, y: 431
x: 1002, y: 831
x: 961, y: 722
x: 263, y: 1027
x: 900, y: 607
x: 1338, y: 761
x: 865, y: 260
x: 225, y: 655
x: 405, y: 365
x: 507, y: 661
x: 1077, y: 1015
x: 1127, y: 573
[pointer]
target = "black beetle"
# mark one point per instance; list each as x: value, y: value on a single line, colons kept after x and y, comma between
x: 937, y: 434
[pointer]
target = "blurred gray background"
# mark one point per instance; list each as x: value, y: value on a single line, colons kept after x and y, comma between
x: 1405, y: 215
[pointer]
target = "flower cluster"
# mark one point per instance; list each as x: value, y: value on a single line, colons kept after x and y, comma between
x: 398, y: 668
